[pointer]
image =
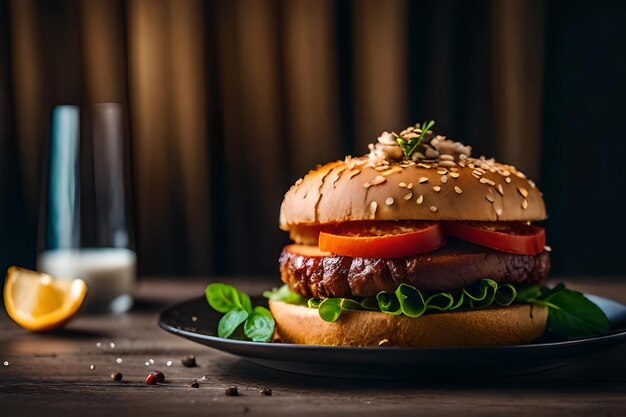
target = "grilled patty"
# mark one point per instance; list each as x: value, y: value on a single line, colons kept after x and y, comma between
x: 457, y: 265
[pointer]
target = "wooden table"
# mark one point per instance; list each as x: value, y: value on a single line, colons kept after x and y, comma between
x: 50, y: 374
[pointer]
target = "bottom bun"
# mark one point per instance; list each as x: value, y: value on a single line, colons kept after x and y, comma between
x: 516, y: 324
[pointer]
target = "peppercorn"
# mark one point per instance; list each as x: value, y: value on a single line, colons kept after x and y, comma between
x: 266, y: 391
x: 151, y: 379
x: 189, y: 361
x: 232, y: 391
x: 116, y: 376
x: 195, y: 384
x: 160, y: 377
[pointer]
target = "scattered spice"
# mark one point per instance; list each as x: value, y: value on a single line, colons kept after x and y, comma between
x: 151, y: 379
x: 119, y: 360
x: 116, y: 376
x: 195, y: 384
x: 189, y: 361
x: 92, y: 367
x: 266, y: 391
x: 232, y: 391
x: 160, y: 377
x: 169, y: 363
x: 6, y: 363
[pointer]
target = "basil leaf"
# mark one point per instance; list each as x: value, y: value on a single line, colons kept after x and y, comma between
x: 525, y: 295
x: 230, y: 321
x: 388, y: 303
x: 260, y: 325
x: 224, y: 298
x: 329, y: 309
x: 286, y: 295
x: 411, y: 300
x: 573, y: 315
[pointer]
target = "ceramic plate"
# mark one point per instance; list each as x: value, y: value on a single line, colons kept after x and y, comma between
x: 389, y: 362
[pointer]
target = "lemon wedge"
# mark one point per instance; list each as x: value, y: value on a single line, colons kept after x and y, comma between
x: 39, y: 302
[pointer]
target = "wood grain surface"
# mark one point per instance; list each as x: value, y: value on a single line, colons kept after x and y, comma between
x: 50, y: 374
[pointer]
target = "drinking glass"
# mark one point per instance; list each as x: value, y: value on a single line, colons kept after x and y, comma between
x: 85, y: 212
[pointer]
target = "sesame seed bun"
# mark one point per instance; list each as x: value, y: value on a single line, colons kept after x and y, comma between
x: 511, y: 325
x: 357, y: 189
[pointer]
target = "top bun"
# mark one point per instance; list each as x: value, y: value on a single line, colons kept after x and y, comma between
x: 443, y: 188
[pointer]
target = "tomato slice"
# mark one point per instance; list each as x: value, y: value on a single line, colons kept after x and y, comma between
x: 382, y: 239
x: 517, y: 238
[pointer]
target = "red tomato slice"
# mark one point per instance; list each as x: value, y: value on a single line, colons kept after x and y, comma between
x: 382, y: 240
x: 517, y: 238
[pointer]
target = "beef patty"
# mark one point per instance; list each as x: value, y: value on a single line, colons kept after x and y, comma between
x: 457, y: 265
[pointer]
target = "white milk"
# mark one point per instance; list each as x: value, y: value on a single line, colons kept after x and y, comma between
x: 108, y: 272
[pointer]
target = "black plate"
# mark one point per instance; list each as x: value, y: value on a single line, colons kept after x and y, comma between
x: 196, y: 321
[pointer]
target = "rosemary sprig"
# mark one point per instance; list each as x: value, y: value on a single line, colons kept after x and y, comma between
x: 409, y: 146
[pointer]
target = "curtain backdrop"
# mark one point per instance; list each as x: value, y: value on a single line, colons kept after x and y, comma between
x: 229, y: 101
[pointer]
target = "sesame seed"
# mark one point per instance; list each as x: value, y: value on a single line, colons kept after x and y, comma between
x: 500, y: 189
x: 410, y: 185
x: 547, y: 248
x: 367, y: 185
x: 455, y: 174
x: 523, y: 191
x: 442, y: 171
x: 427, y: 166
x: 391, y: 171
x: 379, y: 179
x: 422, y: 180
x: 383, y: 342
x: 454, y: 169
x: 508, y: 180
x: 506, y: 173
x: 408, y: 196
x: 373, y: 207
x: 458, y: 189
x: 446, y: 157
x: 436, y: 188
x: 447, y: 163
x: 420, y: 199
x: 498, y: 211
x: 476, y: 172
x: 433, y: 209
x: 520, y: 174
x: 299, y: 181
x: 490, y: 198
x: 402, y: 185
x: 532, y: 183
x: 389, y: 201
x: 487, y: 181
x: 524, y: 204
x: 444, y: 179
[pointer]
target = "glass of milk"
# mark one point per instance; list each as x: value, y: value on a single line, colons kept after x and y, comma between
x: 85, y: 213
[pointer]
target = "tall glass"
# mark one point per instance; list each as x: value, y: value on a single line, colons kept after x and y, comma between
x: 85, y: 213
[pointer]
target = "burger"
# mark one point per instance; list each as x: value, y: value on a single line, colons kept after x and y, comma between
x: 416, y: 244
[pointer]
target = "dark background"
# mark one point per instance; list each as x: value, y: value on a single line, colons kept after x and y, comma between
x: 228, y: 102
